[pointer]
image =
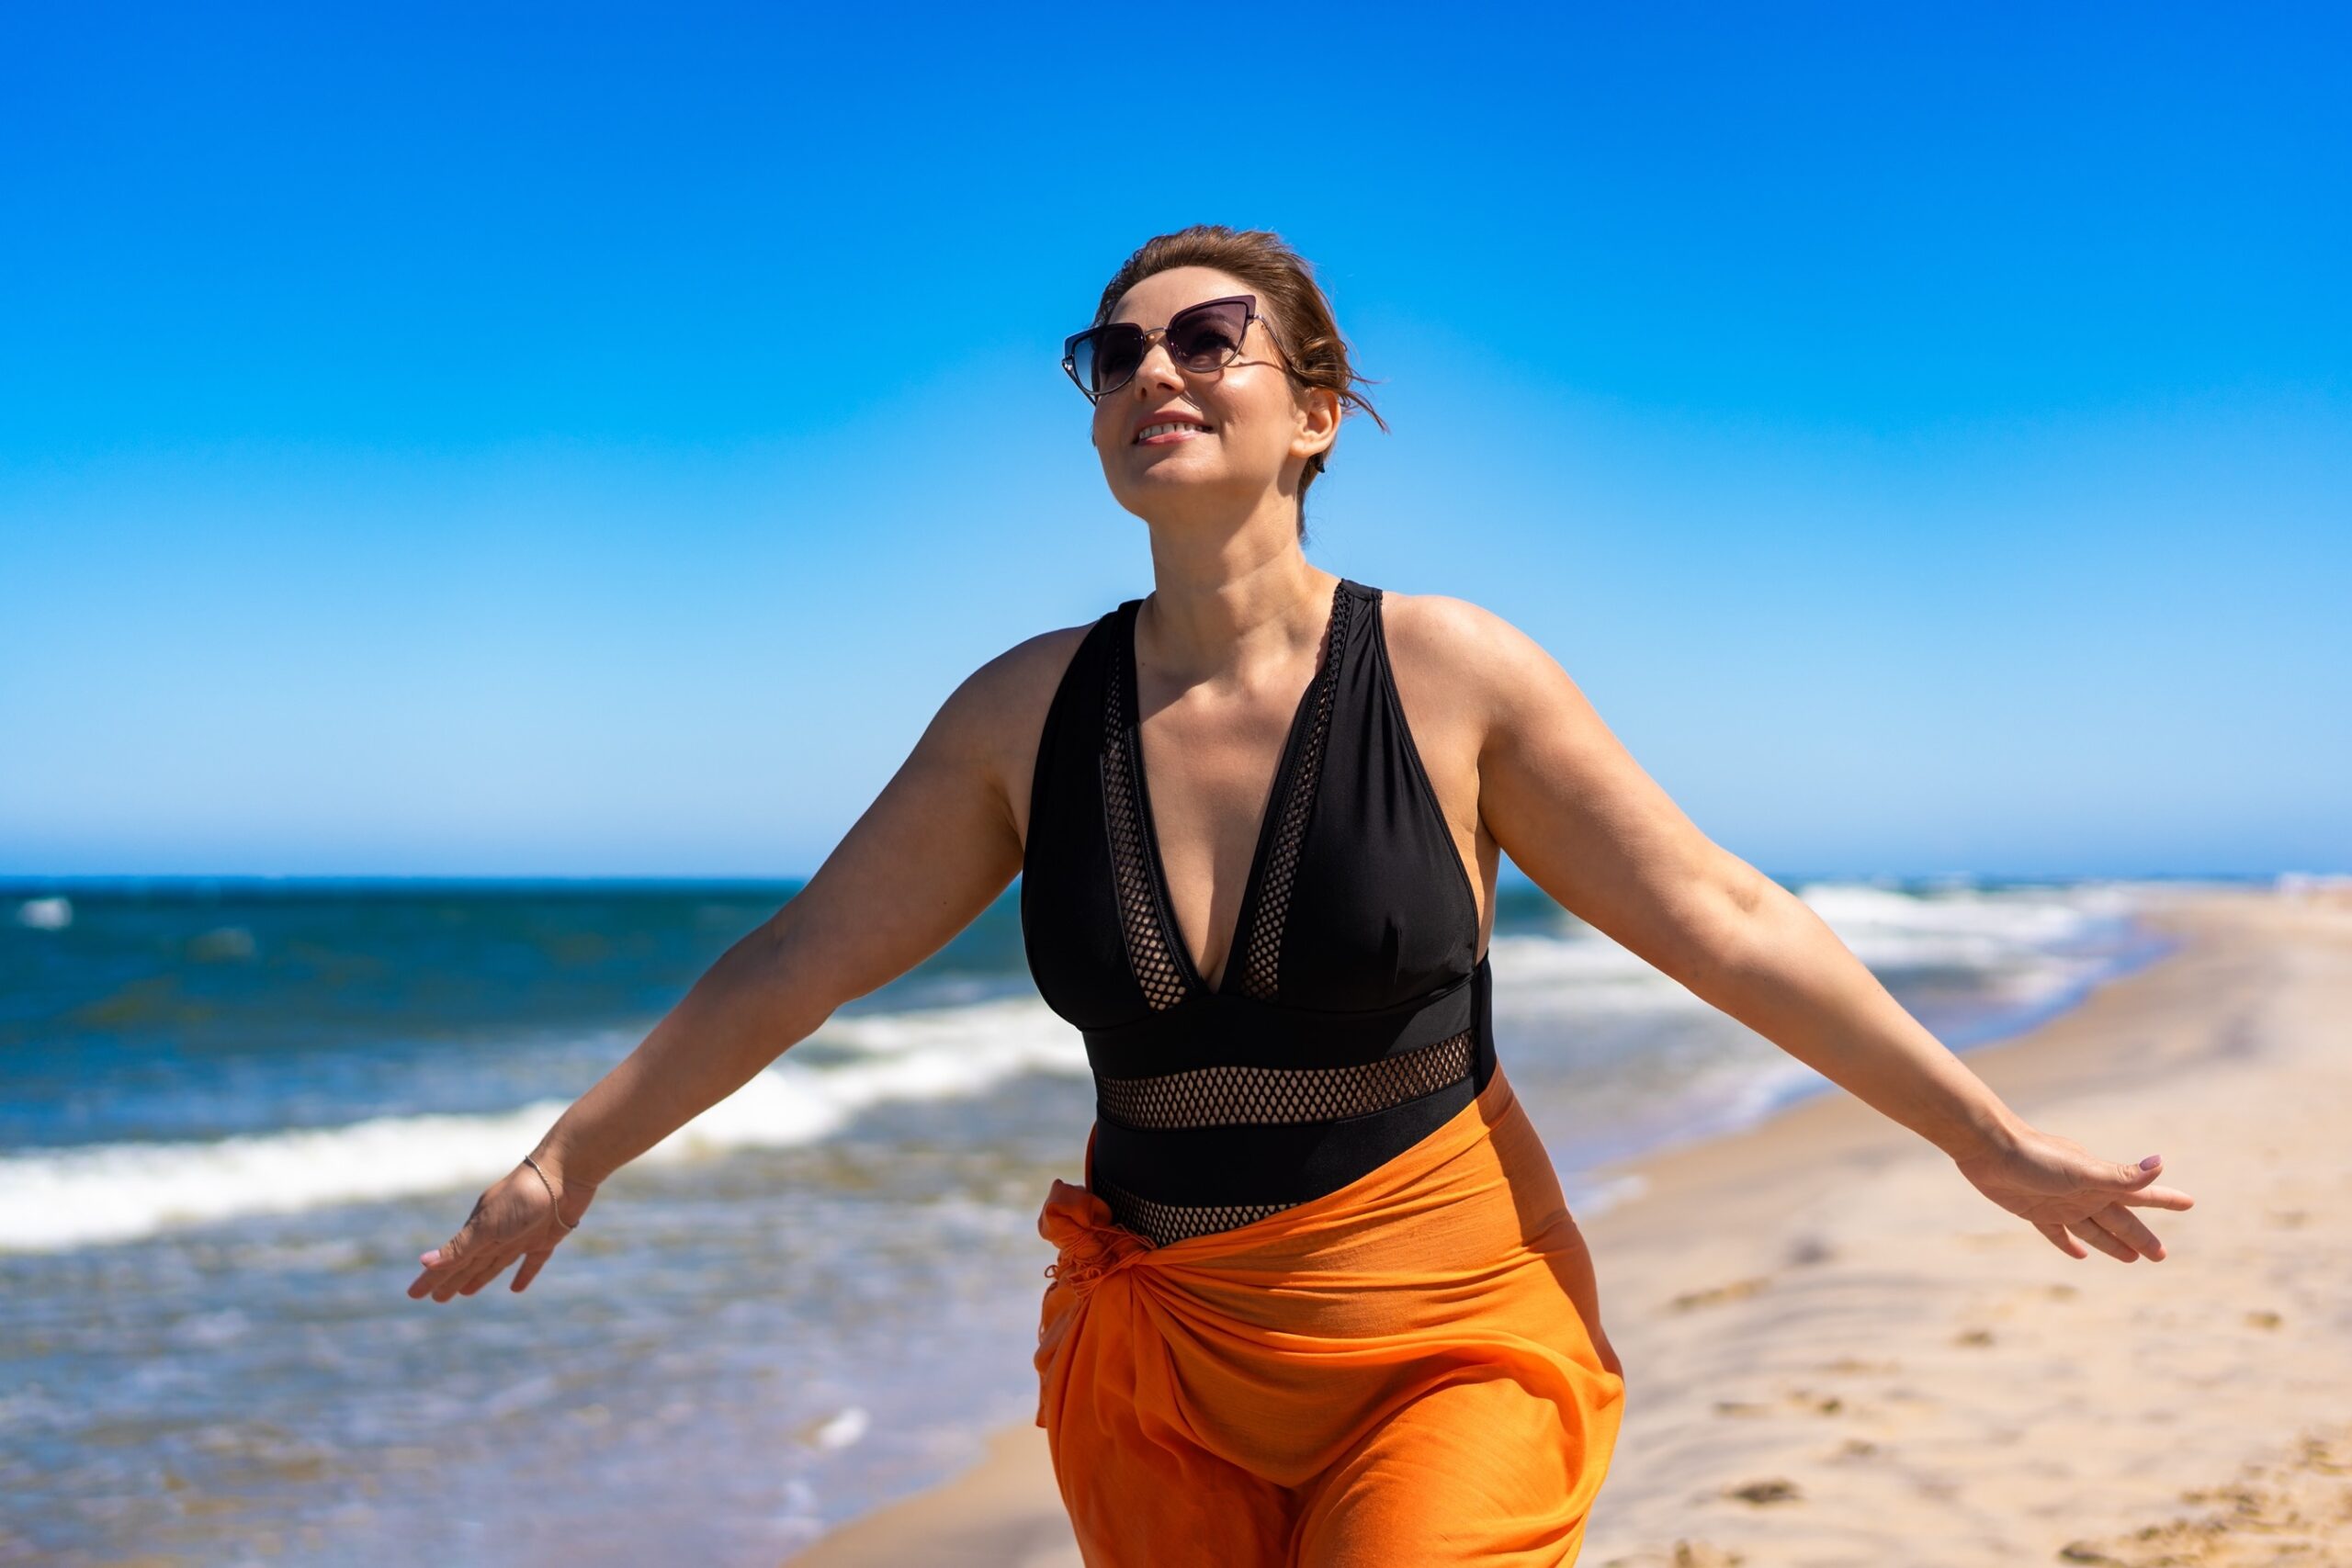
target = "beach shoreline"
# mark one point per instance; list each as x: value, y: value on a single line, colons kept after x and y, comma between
x: 1838, y: 1350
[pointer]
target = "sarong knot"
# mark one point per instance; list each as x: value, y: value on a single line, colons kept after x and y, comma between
x: 1090, y: 1242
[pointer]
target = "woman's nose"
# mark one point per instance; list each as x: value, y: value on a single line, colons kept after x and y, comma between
x: 1158, y: 365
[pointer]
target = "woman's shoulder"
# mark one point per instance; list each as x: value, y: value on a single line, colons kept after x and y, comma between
x: 996, y: 715
x: 1483, y: 670
x: 1484, y: 678
x: 1457, y: 642
x: 1019, y: 683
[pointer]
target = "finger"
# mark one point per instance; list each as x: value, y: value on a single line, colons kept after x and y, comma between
x: 456, y: 1261
x: 532, y: 1263
x: 472, y: 1277
x: 2131, y: 1177
x: 2092, y: 1232
x: 439, y: 1265
x: 491, y: 1267
x: 2058, y: 1238
x: 2158, y: 1198
x: 2128, y: 1228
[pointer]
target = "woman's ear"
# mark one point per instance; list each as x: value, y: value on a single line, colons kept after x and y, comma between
x: 1318, y: 421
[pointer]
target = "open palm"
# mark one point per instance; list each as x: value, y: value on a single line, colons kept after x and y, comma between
x: 2066, y: 1193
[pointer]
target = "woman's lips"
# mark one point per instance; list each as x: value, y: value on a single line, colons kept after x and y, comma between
x: 1169, y: 437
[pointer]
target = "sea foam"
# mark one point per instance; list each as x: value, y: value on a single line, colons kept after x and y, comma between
x: 45, y: 914
x: 56, y: 1199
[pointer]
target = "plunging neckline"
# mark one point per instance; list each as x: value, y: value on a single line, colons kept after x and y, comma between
x: 1285, y: 768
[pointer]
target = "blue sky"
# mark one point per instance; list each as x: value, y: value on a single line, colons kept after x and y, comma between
x: 595, y: 441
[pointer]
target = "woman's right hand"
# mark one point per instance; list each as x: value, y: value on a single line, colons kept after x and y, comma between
x: 518, y: 1216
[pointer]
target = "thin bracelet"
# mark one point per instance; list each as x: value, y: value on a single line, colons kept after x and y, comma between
x: 553, y: 1202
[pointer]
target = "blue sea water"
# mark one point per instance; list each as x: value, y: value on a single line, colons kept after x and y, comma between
x: 232, y: 1113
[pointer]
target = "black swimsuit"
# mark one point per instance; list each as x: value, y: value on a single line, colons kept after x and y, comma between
x: 1352, y: 1018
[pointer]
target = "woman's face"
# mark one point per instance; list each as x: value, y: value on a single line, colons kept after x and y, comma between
x: 1255, y: 432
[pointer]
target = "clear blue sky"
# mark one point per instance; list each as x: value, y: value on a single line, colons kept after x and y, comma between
x: 595, y: 441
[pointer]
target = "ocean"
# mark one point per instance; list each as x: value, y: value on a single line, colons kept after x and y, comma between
x: 232, y: 1113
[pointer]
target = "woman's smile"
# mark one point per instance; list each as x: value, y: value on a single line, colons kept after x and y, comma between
x: 1169, y: 425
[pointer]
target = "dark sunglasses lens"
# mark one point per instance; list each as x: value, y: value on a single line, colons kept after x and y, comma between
x: 1207, y: 335
x: 1108, y: 355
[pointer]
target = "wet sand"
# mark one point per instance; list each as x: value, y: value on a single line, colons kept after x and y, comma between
x: 1837, y: 1352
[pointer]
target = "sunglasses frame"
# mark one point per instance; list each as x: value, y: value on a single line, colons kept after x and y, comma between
x: 1157, y: 334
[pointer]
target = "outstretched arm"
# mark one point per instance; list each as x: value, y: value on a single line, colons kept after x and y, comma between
x: 934, y: 850
x: 1569, y: 804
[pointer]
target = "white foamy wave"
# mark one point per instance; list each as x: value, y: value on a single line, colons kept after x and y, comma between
x: 2011, y: 940
x: 2004, y: 937
x: 45, y: 914
x: 843, y: 1429
x: 1581, y: 972
x: 1964, y: 928
x: 65, y: 1198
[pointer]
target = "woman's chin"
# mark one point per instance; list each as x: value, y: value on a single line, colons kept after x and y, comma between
x: 1163, y: 477
x: 1147, y: 457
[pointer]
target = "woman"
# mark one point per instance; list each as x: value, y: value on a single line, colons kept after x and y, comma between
x: 1319, y: 1300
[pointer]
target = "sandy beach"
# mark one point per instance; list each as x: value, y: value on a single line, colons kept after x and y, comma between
x: 1837, y: 1352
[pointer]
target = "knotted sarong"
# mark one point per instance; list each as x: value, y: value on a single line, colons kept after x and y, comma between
x: 1398, y: 1372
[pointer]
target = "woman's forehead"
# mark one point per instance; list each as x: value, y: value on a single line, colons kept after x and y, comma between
x: 1155, y: 299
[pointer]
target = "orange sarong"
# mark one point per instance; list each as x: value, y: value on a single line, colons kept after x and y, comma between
x: 1396, y: 1373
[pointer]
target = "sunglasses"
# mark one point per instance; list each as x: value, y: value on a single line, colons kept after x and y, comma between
x: 1201, y: 338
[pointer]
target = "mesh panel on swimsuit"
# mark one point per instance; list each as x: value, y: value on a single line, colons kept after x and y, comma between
x: 1222, y: 1097
x: 1261, y: 968
x: 1166, y: 1222
x: 1147, y: 950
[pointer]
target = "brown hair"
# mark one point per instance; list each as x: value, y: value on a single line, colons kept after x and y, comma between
x: 1293, y: 302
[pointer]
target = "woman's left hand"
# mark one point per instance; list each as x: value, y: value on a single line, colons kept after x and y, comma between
x: 2066, y: 1193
